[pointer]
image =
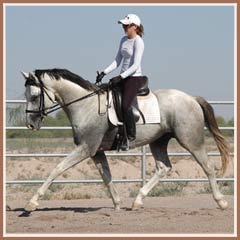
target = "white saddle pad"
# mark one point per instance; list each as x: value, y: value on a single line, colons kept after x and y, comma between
x: 148, y: 106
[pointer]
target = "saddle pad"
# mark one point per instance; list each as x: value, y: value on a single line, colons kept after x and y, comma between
x: 148, y: 106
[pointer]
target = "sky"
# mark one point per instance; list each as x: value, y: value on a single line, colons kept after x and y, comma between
x: 189, y: 48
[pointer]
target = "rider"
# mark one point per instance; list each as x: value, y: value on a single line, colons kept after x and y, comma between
x: 130, y: 53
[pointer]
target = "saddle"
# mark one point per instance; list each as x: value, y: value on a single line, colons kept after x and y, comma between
x: 117, y: 100
x: 145, y: 106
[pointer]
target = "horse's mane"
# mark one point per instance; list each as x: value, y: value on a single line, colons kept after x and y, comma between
x: 57, y: 73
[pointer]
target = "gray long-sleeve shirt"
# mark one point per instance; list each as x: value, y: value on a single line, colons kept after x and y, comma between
x: 130, y: 54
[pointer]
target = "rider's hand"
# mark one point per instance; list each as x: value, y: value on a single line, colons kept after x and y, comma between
x: 100, y: 77
x: 114, y: 81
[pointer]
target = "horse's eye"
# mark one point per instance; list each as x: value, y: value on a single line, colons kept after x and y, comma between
x: 34, y: 98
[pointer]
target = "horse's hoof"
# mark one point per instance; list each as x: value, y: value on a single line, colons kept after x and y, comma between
x: 117, y: 207
x: 223, y: 204
x: 8, y: 208
x: 31, y: 207
x: 25, y: 214
x: 136, y: 206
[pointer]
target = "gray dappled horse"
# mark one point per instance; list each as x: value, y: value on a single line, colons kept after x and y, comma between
x: 183, y: 117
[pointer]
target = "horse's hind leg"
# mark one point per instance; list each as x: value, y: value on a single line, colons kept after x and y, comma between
x: 101, y: 163
x: 163, y: 165
x: 193, y: 140
x: 201, y: 157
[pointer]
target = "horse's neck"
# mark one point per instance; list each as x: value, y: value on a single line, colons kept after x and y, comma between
x: 80, y: 111
x: 67, y: 91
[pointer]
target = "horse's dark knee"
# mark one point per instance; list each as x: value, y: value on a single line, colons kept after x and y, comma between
x: 159, y: 149
x: 76, y: 141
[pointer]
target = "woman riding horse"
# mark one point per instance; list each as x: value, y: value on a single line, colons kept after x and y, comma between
x: 130, y: 52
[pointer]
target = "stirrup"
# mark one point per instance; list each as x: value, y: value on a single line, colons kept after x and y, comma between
x: 125, y: 145
x: 132, y: 144
x: 128, y: 144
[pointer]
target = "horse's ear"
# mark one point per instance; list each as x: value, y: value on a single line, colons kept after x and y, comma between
x: 25, y: 75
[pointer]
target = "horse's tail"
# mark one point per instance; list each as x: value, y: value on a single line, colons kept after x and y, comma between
x: 211, y: 124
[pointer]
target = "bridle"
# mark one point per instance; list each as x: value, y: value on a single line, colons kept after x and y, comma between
x: 43, y: 111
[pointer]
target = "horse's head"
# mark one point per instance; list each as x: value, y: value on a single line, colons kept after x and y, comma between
x: 39, y: 98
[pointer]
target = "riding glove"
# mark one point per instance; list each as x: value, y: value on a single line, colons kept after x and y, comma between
x: 100, y: 77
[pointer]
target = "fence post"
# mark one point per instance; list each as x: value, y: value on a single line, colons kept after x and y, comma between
x: 143, y: 168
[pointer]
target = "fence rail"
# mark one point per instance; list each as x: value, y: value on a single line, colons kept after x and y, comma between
x: 143, y: 154
x: 23, y: 155
x: 117, y: 180
x: 69, y: 128
x: 211, y: 102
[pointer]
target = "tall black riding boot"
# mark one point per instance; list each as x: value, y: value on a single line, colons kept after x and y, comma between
x: 129, y: 121
x: 129, y: 130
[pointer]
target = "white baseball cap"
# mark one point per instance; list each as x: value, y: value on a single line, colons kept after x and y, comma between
x: 130, y: 19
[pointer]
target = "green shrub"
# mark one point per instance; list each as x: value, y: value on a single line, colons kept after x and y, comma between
x: 227, y: 188
x: 164, y: 190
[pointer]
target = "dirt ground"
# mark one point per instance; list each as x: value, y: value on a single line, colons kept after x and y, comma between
x: 86, y: 208
x: 160, y: 215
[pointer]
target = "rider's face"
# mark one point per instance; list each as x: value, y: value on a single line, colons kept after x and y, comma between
x: 130, y: 30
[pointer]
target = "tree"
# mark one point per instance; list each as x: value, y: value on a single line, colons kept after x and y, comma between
x: 16, y: 117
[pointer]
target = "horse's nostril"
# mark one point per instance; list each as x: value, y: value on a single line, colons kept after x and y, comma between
x: 30, y: 126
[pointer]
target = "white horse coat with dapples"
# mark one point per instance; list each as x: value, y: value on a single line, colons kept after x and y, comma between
x: 183, y: 117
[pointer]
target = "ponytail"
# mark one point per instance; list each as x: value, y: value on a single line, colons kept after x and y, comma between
x: 140, y: 30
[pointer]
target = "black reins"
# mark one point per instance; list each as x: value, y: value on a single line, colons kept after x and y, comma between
x: 43, y: 112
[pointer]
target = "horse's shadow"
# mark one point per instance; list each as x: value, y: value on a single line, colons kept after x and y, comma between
x: 24, y: 213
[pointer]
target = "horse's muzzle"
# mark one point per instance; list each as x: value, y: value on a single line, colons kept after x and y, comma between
x: 33, y: 126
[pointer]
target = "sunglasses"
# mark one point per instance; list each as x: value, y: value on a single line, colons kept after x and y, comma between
x: 127, y: 26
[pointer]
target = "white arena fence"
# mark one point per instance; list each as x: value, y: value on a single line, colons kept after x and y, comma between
x: 142, y: 153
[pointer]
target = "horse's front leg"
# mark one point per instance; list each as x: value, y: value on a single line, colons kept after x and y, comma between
x: 101, y: 163
x: 78, y: 155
